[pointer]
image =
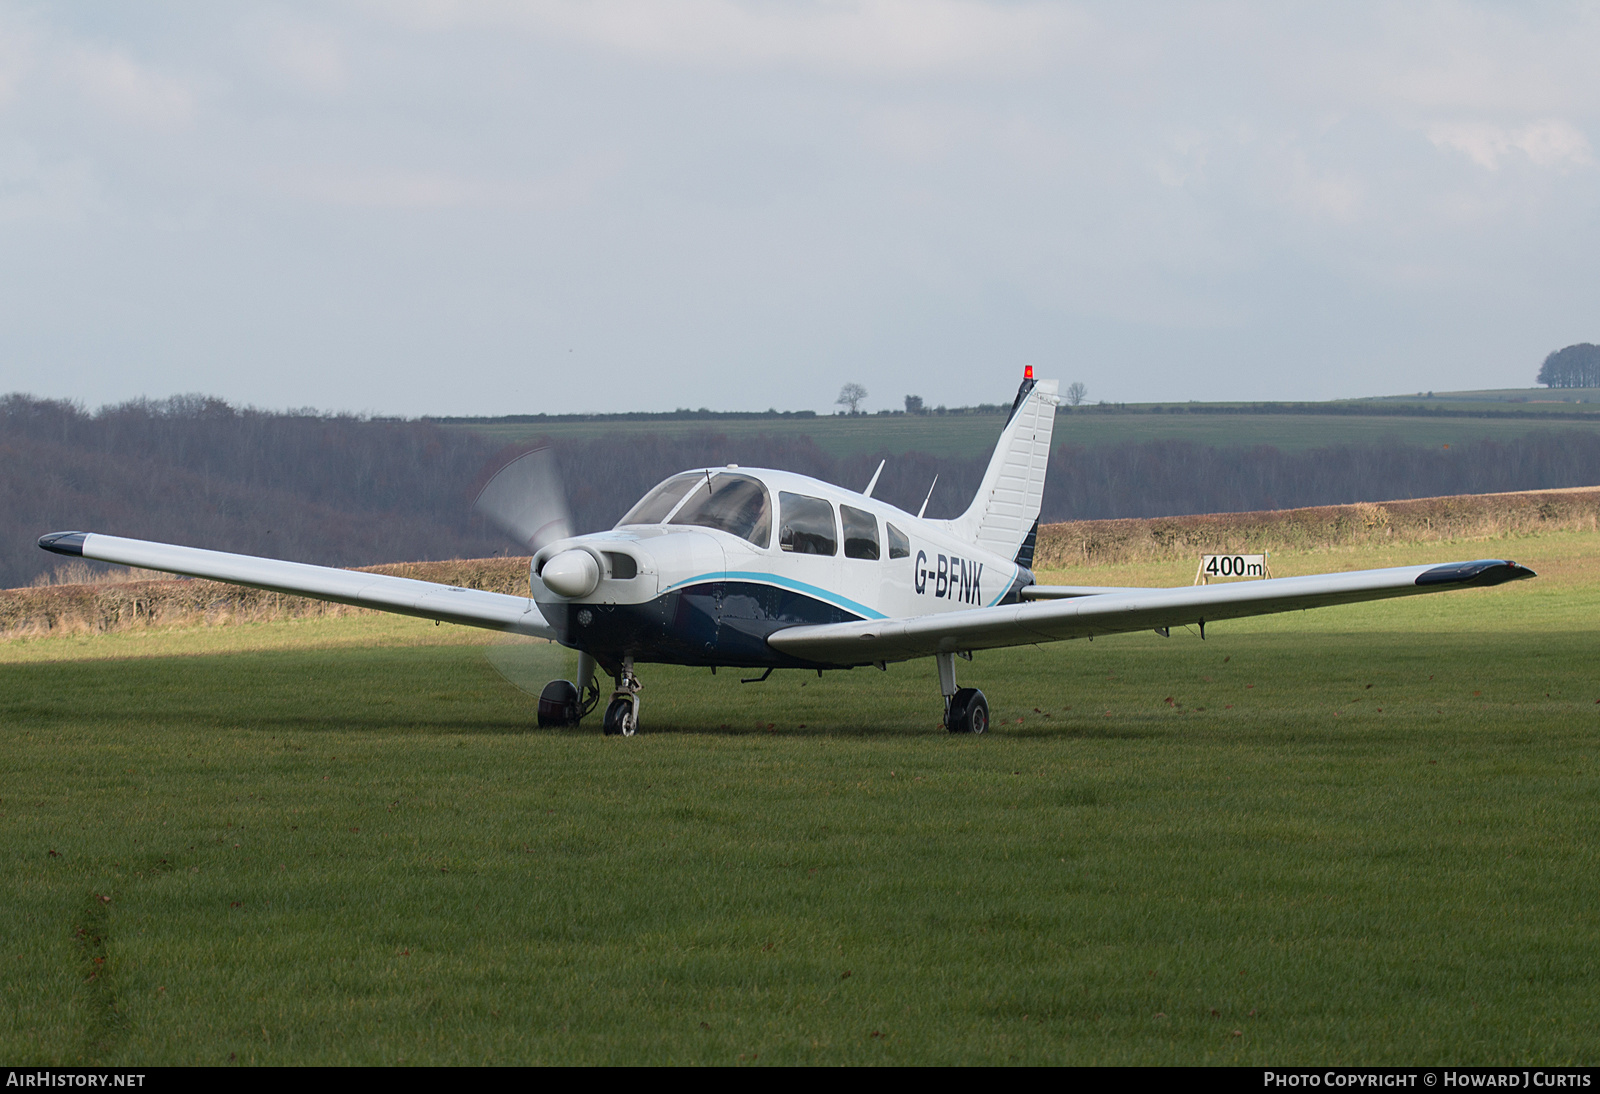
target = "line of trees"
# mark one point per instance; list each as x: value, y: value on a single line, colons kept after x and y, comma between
x: 1575, y: 366
x: 346, y: 491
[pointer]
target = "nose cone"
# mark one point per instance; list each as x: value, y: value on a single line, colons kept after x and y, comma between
x: 571, y: 574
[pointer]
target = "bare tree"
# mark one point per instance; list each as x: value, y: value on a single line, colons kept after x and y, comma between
x: 1076, y: 393
x: 850, y: 396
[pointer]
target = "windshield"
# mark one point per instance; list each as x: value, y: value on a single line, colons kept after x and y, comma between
x: 730, y: 503
x: 655, y: 506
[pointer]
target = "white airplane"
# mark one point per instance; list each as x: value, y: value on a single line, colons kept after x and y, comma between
x: 763, y: 569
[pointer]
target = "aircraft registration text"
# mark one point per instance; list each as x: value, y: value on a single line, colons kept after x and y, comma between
x: 954, y: 578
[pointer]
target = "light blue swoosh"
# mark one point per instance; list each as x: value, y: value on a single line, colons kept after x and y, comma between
x: 1004, y: 588
x: 785, y: 583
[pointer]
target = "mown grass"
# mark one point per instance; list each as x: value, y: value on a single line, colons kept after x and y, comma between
x: 1363, y: 834
x: 974, y: 435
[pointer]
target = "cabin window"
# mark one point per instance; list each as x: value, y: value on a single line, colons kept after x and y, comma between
x: 807, y: 527
x: 899, y: 543
x: 658, y: 504
x: 736, y: 504
x: 860, y: 533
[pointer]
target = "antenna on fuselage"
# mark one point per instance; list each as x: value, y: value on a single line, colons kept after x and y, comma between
x: 867, y: 493
x: 924, y: 508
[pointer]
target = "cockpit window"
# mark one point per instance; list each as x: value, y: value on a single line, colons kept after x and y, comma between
x: 807, y: 527
x: 860, y: 532
x: 899, y: 543
x: 655, y: 506
x: 731, y: 503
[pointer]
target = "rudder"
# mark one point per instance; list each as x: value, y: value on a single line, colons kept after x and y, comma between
x: 1004, y: 515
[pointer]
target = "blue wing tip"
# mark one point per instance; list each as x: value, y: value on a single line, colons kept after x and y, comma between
x: 1485, y: 571
x: 64, y: 543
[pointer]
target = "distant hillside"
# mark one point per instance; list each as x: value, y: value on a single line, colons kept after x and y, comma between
x: 347, y: 491
x: 333, y: 490
x: 1287, y: 426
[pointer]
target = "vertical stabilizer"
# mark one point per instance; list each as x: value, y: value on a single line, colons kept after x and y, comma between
x: 1004, y: 516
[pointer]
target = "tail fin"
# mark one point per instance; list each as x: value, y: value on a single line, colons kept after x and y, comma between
x: 1004, y: 516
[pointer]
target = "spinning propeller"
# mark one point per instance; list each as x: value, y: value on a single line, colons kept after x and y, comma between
x: 525, y: 500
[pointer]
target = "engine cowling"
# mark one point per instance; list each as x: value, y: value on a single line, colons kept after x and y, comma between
x: 571, y: 574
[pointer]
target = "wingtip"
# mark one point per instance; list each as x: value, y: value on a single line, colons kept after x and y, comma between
x: 1483, y: 572
x: 64, y: 543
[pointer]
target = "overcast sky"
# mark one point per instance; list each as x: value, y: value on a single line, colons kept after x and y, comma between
x: 496, y: 208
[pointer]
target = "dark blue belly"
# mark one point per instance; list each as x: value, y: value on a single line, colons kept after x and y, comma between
x: 716, y: 623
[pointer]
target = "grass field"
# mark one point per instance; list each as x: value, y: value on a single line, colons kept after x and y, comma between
x: 1524, y: 398
x: 974, y: 435
x: 1357, y: 835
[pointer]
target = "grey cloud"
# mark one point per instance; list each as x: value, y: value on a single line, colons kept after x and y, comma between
x: 493, y: 208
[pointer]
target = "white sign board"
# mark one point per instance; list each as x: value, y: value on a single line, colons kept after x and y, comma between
x: 1220, y: 566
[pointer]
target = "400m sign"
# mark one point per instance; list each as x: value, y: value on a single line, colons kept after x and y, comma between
x: 1213, y: 567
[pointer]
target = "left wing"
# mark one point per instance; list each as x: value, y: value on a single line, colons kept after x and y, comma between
x: 1083, y: 615
x: 1067, y: 592
x: 427, y: 599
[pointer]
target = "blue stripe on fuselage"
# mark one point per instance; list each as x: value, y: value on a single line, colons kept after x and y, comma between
x: 1005, y: 587
x: 783, y: 583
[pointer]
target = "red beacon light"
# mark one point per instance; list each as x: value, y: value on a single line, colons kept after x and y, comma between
x: 1027, y: 372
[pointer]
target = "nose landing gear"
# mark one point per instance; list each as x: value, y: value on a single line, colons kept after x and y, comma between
x: 965, y: 709
x: 622, y: 713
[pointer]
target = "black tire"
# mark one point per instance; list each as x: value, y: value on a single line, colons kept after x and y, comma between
x: 559, y: 705
x: 968, y: 713
x: 619, y: 718
x: 978, y: 713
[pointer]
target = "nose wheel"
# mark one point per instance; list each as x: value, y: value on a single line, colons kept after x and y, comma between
x: 622, y: 713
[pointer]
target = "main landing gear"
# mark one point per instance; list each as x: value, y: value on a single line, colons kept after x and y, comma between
x: 965, y: 709
x: 563, y: 703
x: 622, y: 713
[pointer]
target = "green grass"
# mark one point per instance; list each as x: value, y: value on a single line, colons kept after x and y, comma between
x: 974, y: 435
x: 955, y: 435
x: 1536, y: 399
x: 1358, y: 835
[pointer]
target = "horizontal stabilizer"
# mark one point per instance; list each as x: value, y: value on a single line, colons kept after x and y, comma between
x: 405, y: 596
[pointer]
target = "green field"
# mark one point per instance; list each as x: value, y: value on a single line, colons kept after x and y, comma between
x: 974, y: 435
x: 1534, y: 399
x: 1355, y: 835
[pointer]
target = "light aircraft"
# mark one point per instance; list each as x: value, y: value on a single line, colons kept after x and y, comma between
x: 761, y: 569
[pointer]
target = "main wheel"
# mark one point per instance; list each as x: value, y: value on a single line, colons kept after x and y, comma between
x: 968, y: 713
x: 619, y: 718
x: 559, y: 704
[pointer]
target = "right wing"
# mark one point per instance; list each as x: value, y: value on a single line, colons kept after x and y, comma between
x: 1114, y: 611
x: 427, y: 599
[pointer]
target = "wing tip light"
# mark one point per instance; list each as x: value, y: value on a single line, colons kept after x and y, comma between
x: 64, y: 543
